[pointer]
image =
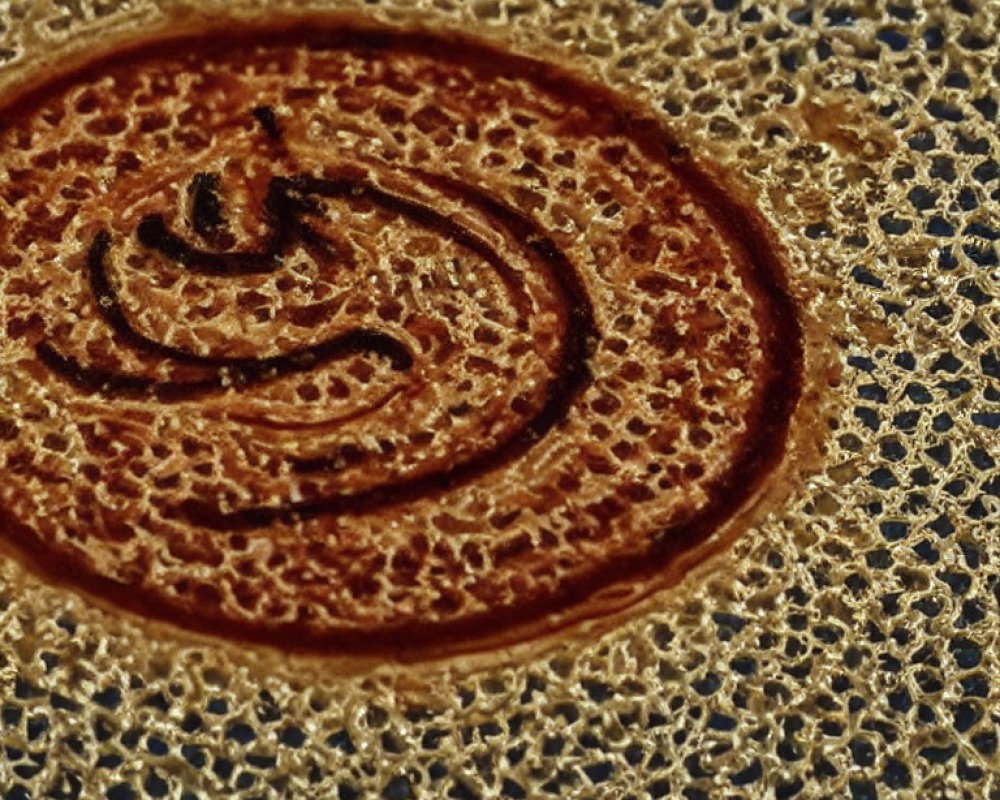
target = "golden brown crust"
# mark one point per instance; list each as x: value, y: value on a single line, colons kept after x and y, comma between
x: 495, y: 355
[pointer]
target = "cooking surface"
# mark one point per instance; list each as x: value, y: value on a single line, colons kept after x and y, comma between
x: 845, y: 646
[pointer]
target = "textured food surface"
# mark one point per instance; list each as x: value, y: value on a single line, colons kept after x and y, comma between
x: 346, y: 336
x: 846, y: 647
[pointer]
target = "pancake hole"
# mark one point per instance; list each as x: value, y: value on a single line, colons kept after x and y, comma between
x: 693, y: 471
x: 55, y: 443
x: 88, y: 103
x: 107, y: 126
x: 309, y: 392
x: 8, y: 429
x: 338, y: 389
x: 623, y: 450
x: 700, y: 437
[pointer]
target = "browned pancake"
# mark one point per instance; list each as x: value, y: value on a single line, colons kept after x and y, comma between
x: 346, y: 339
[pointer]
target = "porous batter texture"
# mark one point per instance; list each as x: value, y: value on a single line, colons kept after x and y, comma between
x: 345, y: 336
x: 844, y: 645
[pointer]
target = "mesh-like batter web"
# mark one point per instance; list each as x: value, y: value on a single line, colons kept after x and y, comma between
x: 845, y: 646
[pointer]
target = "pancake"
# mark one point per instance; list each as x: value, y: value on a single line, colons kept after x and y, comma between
x: 344, y: 339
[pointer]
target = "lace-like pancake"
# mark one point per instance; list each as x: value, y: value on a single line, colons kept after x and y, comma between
x: 344, y: 339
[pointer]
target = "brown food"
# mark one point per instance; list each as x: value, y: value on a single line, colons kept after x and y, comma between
x: 344, y: 339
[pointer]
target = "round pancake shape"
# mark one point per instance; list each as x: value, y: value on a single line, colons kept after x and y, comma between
x: 345, y: 339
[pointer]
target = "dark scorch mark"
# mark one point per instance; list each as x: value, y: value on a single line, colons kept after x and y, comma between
x: 268, y: 121
x: 206, y: 207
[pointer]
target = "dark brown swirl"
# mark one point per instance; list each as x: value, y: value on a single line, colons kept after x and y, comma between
x: 288, y: 201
